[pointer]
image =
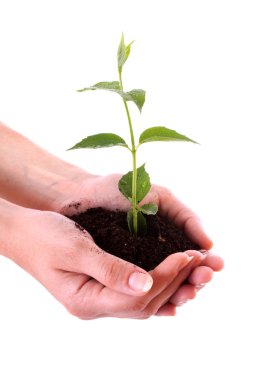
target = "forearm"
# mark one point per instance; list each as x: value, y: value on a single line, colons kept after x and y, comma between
x: 10, y: 216
x: 30, y: 176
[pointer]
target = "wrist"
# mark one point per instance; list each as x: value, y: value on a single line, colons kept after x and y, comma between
x: 10, y: 218
x: 32, y: 177
x: 18, y: 241
x: 49, y: 184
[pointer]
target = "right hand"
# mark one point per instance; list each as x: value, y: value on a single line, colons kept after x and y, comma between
x: 88, y: 281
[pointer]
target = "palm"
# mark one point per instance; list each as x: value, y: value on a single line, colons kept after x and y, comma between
x: 103, y: 192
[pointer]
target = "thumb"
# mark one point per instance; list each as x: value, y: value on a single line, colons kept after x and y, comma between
x: 114, y: 272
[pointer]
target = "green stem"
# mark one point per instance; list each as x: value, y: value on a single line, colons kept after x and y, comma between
x: 133, y: 151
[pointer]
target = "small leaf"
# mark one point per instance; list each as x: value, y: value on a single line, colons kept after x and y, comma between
x: 130, y: 221
x: 110, y: 86
x: 123, y: 52
x: 137, y: 96
x: 143, y: 184
x: 141, y: 223
x: 162, y: 134
x: 149, y: 209
x: 101, y: 140
x: 125, y: 185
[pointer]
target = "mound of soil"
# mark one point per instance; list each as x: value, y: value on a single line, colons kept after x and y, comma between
x: 110, y: 232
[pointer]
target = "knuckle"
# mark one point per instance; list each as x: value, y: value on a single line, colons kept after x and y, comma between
x: 145, y: 316
x: 72, y: 308
x: 148, y: 312
x: 145, y: 308
x: 76, y: 309
x: 138, y: 306
x: 110, y: 272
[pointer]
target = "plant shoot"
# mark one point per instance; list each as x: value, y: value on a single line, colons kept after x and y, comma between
x: 134, y: 185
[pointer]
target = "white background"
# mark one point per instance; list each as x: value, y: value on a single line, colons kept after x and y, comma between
x: 195, y: 60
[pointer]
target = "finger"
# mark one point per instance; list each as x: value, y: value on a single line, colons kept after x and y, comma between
x: 216, y: 263
x: 161, y: 293
x: 200, y: 275
x: 93, y: 300
x: 183, y: 294
x: 183, y: 217
x: 166, y: 272
x: 197, y: 279
x: 167, y: 310
x: 86, y: 303
x: 112, y: 271
x: 164, y: 296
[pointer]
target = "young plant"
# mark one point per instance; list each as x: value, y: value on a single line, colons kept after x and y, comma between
x: 134, y: 185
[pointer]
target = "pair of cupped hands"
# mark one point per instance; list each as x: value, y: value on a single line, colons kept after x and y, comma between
x: 92, y: 283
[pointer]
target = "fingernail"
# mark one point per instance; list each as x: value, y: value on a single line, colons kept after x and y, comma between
x: 185, y: 262
x: 193, y: 255
x: 181, y: 303
x: 196, y: 254
x: 200, y: 286
x: 140, y: 281
x: 190, y: 258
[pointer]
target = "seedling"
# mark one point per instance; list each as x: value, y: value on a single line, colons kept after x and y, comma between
x: 134, y: 185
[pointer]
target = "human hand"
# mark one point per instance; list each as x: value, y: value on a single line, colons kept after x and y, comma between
x: 89, y: 282
x: 55, y: 184
x: 97, y: 191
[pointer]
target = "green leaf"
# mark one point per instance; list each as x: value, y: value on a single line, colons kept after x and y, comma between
x: 109, y: 86
x: 130, y: 221
x: 143, y: 184
x: 162, y: 134
x: 137, y: 96
x: 123, y: 52
x: 141, y: 223
x: 101, y: 140
x: 125, y: 185
x: 149, y: 209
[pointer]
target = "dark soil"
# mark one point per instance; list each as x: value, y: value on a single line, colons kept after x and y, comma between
x: 110, y: 232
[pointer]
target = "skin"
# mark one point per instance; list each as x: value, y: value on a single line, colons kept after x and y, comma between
x: 37, y: 188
